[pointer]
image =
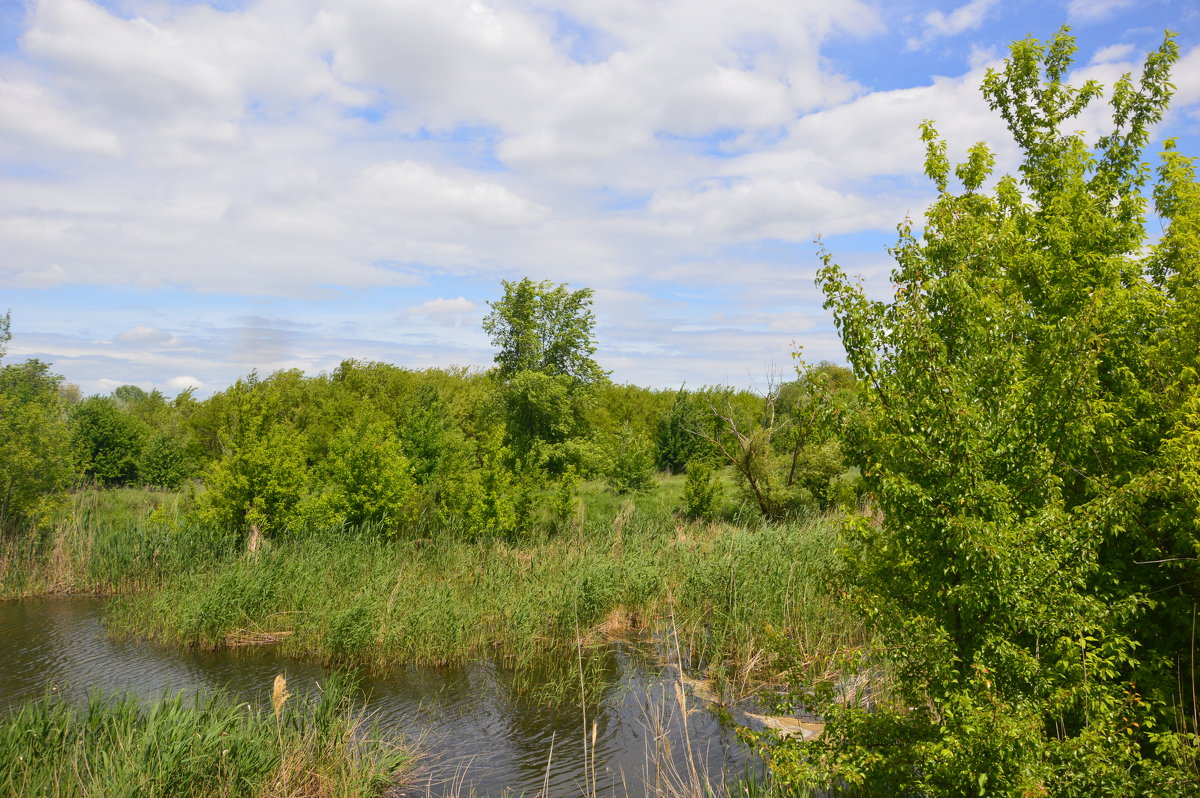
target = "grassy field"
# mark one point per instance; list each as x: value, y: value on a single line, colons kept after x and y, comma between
x: 210, y: 747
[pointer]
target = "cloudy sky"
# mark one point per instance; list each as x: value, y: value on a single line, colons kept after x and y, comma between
x: 190, y: 190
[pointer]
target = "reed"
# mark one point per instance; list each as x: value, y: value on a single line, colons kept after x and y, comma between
x: 628, y: 568
x: 212, y: 746
x: 105, y: 542
x: 351, y: 598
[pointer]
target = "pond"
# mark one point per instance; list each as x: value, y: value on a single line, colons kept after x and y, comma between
x: 474, y: 730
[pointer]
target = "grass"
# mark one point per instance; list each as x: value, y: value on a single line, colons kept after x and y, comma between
x: 353, y: 599
x: 105, y: 542
x: 627, y: 566
x: 182, y: 747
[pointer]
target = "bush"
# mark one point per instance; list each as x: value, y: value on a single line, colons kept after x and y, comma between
x: 629, y: 461
x: 701, y: 493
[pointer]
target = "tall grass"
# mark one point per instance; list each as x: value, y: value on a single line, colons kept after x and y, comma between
x: 627, y: 566
x: 354, y: 599
x: 107, y: 541
x: 182, y: 747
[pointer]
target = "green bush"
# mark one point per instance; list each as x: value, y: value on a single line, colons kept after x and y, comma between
x: 701, y: 492
x: 629, y: 461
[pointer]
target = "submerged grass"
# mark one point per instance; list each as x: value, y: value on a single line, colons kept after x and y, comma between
x: 121, y: 746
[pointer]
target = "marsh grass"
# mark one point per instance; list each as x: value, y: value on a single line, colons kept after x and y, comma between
x: 630, y: 568
x: 354, y: 599
x: 176, y: 746
x: 107, y: 541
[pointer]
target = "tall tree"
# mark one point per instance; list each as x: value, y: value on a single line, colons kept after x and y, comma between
x: 544, y: 328
x: 1032, y: 438
x: 545, y: 345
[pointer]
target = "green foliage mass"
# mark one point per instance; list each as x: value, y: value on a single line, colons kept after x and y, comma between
x: 107, y: 441
x: 629, y: 460
x: 1030, y: 434
x: 786, y: 449
x: 701, y: 492
x: 35, y: 460
x: 163, y: 461
x: 544, y: 328
x: 685, y: 432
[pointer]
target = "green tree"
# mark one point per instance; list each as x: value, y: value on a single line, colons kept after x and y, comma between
x: 685, y: 432
x: 262, y: 476
x: 163, y: 461
x: 107, y: 440
x: 35, y: 459
x: 545, y: 344
x: 786, y: 454
x: 544, y: 328
x: 1030, y: 424
x: 629, y: 460
x: 701, y: 491
x: 368, y: 480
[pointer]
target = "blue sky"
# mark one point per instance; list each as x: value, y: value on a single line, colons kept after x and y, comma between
x: 191, y: 190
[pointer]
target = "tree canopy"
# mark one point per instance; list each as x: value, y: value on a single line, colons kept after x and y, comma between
x: 1031, y: 435
x: 544, y: 328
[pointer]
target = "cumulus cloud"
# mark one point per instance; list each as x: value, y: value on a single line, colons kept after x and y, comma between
x: 1095, y: 10
x: 964, y: 18
x: 37, y: 117
x: 1113, y: 52
x: 444, y: 307
x: 335, y: 151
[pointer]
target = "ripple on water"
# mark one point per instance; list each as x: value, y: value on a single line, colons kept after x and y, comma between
x: 474, y: 732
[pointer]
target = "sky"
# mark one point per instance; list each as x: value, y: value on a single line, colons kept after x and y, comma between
x: 193, y: 190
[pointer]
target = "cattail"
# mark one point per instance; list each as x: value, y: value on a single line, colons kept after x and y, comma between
x: 279, y: 695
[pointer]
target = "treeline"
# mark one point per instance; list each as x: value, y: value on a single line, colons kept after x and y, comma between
x: 481, y: 453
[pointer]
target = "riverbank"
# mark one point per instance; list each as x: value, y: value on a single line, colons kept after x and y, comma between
x: 357, y: 600
x: 477, y: 729
x: 717, y: 592
x: 202, y: 746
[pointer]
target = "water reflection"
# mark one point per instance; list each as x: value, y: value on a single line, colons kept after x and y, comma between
x: 476, y: 730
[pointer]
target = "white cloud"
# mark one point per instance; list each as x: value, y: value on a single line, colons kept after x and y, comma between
x: 47, y: 277
x: 410, y: 189
x: 1113, y: 52
x: 964, y: 18
x: 37, y: 117
x: 764, y: 207
x: 1186, y: 77
x: 331, y: 150
x: 442, y: 307
x: 183, y: 382
x: 147, y: 336
x: 1095, y: 10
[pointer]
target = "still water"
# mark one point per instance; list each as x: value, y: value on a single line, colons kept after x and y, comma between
x: 474, y: 731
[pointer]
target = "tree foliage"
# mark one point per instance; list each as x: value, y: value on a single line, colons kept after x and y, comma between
x: 786, y: 451
x: 35, y: 459
x: 1031, y: 438
x: 544, y: 328
x: 108, y: 442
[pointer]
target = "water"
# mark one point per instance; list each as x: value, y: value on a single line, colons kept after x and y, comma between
x: 473, y: 729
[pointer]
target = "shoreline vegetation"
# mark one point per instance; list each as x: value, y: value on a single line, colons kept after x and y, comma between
x: 347, y: 597
x: 202, y: 747
x: 711, y: 597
